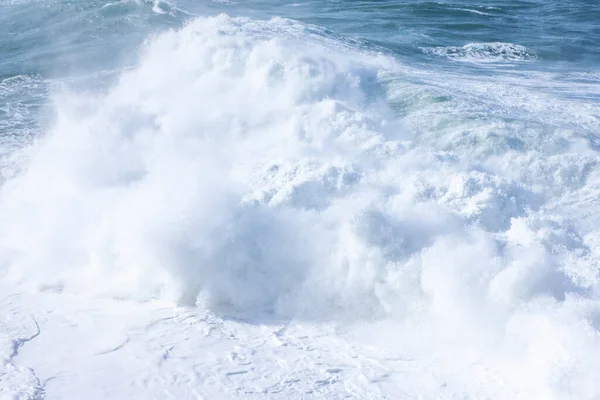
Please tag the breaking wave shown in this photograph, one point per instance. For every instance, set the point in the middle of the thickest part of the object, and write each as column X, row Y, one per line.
column 261, row 167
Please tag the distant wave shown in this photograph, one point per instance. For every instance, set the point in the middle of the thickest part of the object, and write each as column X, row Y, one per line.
column 484, row 52
column 472, row 11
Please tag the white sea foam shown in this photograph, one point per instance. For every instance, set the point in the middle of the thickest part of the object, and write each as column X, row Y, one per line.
column 256, row 166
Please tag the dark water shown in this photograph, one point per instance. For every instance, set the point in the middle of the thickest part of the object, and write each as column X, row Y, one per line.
column 56, row 37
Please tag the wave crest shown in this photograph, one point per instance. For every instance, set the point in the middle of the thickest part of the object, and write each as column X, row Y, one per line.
column 153, row 189
column 484, row 52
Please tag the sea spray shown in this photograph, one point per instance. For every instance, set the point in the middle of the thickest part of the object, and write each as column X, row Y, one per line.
column 261, row 168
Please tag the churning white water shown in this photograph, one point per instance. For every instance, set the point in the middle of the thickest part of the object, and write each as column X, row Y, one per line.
column 265, row 168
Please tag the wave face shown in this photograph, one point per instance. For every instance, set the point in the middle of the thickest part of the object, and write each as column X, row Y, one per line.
column 265, row 167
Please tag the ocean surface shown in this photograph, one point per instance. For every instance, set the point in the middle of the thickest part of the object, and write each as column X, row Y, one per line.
column 434, row 164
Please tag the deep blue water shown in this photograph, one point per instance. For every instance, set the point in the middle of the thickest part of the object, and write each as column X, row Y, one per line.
column 54, row 38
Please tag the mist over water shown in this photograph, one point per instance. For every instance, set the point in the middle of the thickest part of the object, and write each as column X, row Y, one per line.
column 429, row 165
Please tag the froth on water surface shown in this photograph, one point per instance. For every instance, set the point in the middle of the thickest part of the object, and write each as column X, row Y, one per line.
column 267, row 167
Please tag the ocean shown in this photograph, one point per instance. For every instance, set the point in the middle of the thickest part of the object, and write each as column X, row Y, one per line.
column 427, row 169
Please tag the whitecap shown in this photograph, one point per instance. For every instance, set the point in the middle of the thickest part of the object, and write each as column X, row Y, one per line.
column 484, row 52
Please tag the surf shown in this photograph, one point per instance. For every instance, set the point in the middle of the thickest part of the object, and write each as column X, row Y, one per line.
column 266, row 167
